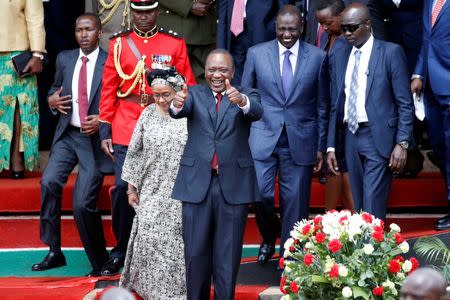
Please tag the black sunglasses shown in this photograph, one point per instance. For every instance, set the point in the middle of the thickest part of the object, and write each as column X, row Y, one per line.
column 351, row 27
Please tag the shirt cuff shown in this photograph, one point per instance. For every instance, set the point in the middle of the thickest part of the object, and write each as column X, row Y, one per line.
column 175, row 110
column 331, row 149
column 246, row 107
column 416, row 76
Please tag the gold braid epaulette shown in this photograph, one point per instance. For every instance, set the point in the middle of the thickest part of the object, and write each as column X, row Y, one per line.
column 138, row 75
column 113, row 6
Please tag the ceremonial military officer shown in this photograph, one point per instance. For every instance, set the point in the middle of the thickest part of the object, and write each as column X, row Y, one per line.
column 196, row 21
column 124, row 96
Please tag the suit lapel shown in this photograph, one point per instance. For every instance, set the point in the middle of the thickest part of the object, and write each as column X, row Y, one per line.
column 341, row 69
column 274, row 60
column 71, row 68
column 210, row 104
column 443, row 9
column 373, row 62
column 302, row 60
column 97, row 76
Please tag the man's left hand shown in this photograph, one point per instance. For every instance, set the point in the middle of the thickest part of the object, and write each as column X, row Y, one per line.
column 234, row 95
column 398, row 159
column 319, row 162
column 34, row 66
column 90, row 125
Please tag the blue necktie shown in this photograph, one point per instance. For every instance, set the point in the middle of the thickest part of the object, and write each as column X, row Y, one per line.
column 352, row 114
column 287, row 75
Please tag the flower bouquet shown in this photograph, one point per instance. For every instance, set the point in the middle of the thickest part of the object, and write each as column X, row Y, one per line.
column 340, row 255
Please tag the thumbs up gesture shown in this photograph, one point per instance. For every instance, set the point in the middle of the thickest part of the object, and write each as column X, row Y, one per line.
column 233, row 94
column 180, row 97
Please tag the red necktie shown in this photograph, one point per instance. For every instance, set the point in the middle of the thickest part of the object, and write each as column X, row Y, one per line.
column 237, row 17
column 82, row 91
column 215, row 159
column 436, row 10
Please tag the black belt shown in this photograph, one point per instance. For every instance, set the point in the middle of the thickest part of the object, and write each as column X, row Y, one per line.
column 360, row 124
column 215, row 172
column 71, row 127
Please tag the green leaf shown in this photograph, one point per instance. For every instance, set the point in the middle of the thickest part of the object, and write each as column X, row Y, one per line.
column 319, row 279
column 359, row 292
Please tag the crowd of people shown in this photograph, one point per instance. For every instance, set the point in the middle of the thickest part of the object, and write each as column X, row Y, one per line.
column 285, row 89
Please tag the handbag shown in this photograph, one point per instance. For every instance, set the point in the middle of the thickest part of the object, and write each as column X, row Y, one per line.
column 20, row 61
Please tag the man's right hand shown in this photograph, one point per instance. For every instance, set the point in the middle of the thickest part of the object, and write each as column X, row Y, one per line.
column 416, row 86
column 58, row 102
column 180, row 97
column 200, row 8
column 332, row 163
column 107, row 147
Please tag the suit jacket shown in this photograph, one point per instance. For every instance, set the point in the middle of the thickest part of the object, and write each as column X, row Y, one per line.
column 22, row 26
column 389, row 105
column 65, row 65
column 433, row 62
column 175, row 15
column 260, row 16
column 304, row 112
column 225, row 132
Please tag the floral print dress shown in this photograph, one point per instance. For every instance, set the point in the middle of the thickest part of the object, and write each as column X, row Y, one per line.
column 23, row 90
column 154, row 265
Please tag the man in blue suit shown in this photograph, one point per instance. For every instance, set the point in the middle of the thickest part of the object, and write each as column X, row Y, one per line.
column 288, row 141
column 216, row 180
column 75, row 94
column 431, row 76
column 373, row 107
column 256, row 24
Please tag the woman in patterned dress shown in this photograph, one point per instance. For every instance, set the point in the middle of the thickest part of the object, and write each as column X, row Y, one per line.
column 22, row 28
column 154, row 265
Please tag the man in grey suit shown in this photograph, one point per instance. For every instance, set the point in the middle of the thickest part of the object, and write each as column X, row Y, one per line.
column 374, row 108
column 216, row 180
column 291, row 77
column 75, row 94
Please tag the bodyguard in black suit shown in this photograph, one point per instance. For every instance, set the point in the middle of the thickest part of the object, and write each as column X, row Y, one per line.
column 75, row 94
column 216, row 180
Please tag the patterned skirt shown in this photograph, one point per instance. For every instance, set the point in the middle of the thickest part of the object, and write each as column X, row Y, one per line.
column 23, row 90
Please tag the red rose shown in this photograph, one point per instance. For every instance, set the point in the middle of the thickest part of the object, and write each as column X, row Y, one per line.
column 308, row 259
column 343, row 219
column 378, row 291
column 291, row 249
column 295, row 242
column 320, row 237
column 317, row 220
column 306, row 229
column 334, row 272
column 399, row 258
column 378, row 236
column 334, row 245
column 281, row 263
column 282, row 284
column 382, row 223
column 367, row 218
column 294, row 287
column 377, row 228
column 415, row 264
column 332, row 211
column 394, row 266
column 398, row 238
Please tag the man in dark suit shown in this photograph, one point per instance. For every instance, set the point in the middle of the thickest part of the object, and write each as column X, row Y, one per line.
column 431, row 76
column 75, row 94
column 216, row 180
column 374, row 107
column 288, row 141
column 243, row 24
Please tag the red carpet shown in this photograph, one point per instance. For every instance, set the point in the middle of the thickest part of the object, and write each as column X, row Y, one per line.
column 19, row 196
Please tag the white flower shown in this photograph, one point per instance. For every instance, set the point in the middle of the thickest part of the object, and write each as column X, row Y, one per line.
column 347, row 292
column 401, row 276
column 329, row 263
column 343, row 271
column 394, row 227
column 288, row 243
column 285, row 297
column 287, row 269
column 368, row 249
column 404, row 247
column 309, row 245
column 389, row 284
column 407, row 266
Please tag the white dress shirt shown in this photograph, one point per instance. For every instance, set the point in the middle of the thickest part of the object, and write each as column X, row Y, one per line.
column 292, row 57
column 363, row 73
column 90, row 66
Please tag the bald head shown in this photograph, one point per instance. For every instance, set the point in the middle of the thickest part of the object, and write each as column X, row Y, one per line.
column 424, row 284
column 355, row 24
column 357, row 11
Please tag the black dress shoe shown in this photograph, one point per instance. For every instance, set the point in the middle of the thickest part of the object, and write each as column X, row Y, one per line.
column 52, row 260
column 94, row 273
column 17, row 174
column 112, row 266
column 265, row 253
column 443, row 223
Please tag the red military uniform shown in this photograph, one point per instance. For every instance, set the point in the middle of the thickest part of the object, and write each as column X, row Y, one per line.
column 118, row 115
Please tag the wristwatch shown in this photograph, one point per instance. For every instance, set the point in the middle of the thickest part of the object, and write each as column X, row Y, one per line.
column 404, row 145
column 38, row 55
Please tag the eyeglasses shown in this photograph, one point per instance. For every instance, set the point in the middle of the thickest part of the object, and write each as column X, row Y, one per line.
column 351, row 27
column 166, row 96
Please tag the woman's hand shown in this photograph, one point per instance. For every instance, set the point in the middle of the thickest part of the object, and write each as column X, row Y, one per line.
column 133, row 199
